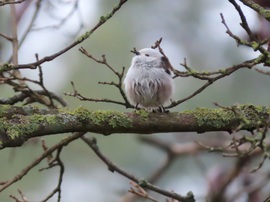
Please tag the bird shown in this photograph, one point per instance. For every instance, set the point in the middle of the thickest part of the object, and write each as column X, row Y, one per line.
column 148, row 81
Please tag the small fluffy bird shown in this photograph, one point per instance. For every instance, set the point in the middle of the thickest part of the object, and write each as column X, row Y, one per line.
column 148, row 82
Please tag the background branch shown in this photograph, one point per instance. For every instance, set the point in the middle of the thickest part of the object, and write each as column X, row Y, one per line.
column 86, row 35
column 44, row 155
column 143, row 183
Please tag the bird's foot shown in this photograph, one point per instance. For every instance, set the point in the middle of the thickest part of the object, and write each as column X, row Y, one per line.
column 137, row 107
column 160, row 109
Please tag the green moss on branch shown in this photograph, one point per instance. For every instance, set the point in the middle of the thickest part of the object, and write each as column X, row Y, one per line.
column 18, row 124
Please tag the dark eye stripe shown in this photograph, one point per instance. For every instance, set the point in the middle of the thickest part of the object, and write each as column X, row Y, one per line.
column 146, row 55
column 168, row 71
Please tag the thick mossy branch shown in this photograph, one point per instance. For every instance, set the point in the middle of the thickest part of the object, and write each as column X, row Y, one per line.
column 18, row 124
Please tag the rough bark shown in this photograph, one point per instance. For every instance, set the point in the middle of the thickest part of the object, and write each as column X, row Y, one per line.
column 18, row 124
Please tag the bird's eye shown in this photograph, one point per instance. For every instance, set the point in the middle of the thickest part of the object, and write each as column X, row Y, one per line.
column 146, row 55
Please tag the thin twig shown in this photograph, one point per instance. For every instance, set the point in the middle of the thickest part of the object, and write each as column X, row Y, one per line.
column 83, row 98
column 44, row 155
column 2, row 3
column 118, row 85
column 65, row 19
column 244, row 22
column 57, row 162
column 33, row 19
column 22, row 96
column 83, row 37
column 114, row 168
column 228, row 71
column 137, row 190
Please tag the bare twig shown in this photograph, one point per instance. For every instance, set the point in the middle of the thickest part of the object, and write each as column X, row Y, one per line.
column 267, row 199
column 166, row 59
column 262, row 71
column 118, row 85
column 83, row 98
column 63, row 20
column 23, row 197
column 252, row 44
column 139, row 191
column 56, row 162
column 228, row 71
column 83, row 37
column 2, row 3
column 44, row 155
column 244, row 23
column 144, row 184
column 229, row 177
column 15, row 44
column 45, row 148
column 41, row 84
column 6, row 37
column 24, row 95
column 256, row 7
column 211, row 77
column 33, row 19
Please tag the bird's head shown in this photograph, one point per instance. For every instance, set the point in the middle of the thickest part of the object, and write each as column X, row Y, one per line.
column 149, row 54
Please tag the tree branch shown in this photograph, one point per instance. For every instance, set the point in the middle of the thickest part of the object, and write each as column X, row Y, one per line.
column 256, row 7
column 143, row 183
column 18, row 124
column 86, row 35
column 2, row 3
column 44, row 155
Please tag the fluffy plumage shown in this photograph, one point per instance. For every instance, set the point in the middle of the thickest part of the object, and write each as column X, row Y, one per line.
column 148, row 82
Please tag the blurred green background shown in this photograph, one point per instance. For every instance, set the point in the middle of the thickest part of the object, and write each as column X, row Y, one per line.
column 190, row 29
